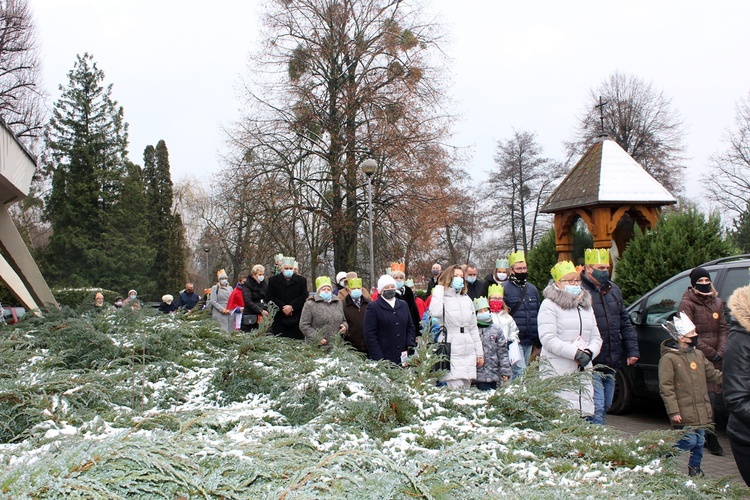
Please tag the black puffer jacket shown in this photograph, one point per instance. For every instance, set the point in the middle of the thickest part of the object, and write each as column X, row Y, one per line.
column 526, row 312
column 619, row 340
column 254, row 294
column 737, row 368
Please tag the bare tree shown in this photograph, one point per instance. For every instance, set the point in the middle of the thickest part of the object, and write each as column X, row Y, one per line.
column 21, row 94
column 641, row 120
column 523, row 181
column 728, row 182
column 344, row 81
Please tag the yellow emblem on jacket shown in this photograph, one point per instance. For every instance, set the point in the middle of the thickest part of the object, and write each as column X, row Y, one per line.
column 693, row 365
column 716, row 315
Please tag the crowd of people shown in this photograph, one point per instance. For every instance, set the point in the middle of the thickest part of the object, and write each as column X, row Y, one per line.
column 497, row 326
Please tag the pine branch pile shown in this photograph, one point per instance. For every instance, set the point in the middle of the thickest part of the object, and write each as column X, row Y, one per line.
column 121, row 405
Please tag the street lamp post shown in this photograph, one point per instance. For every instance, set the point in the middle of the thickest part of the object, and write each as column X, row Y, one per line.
column 369, row 166
column 206, row 248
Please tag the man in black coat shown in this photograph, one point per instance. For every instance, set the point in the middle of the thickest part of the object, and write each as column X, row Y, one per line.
column 188, row 298
column 618, row 337
column 474, row 286
column 289, row 292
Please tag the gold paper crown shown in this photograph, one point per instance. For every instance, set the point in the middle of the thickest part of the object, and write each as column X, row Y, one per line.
column 354, row 282
column 287, row 261
column 322, row 281
column 278, row 257
column 561, row 269
column 495, row 290
column 221, row 274
column 481, row 303
column 596, row 256
column 398, row 266
column 516, row 257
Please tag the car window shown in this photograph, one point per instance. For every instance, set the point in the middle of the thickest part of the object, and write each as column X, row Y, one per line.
column 736, row 277
column 662, row 304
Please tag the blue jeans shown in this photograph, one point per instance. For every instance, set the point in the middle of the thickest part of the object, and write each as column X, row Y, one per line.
column 518, row 369
column 604, row 391
column 526, row 351
column 693, row 441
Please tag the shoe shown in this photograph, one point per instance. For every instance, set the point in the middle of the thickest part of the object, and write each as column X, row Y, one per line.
column 712, row 444
column 695, row 471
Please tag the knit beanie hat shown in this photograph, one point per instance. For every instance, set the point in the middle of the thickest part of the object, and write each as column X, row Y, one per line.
column 697, row 274
column 384, row 281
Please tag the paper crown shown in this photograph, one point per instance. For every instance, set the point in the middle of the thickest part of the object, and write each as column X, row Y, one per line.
column 596, row 256
column 221, row 274
column 495, row 290
column 481, row 303
column 516, row 257
column 397, row 266
column 679, row 326
column 409, row 283
column 502, row 264
column 561, row 269
column 278, row 257
column 322, row 281
column 296, row 265
column 287, row 261
column 354, row 282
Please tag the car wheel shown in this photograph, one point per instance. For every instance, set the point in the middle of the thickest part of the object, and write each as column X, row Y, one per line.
column 622, row 400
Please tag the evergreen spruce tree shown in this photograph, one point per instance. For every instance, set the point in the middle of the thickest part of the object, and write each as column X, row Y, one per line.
column 87, row 142
column 165, row 229
column 680, row 241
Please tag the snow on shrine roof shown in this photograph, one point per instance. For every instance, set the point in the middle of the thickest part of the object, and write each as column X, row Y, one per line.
column 606, row 174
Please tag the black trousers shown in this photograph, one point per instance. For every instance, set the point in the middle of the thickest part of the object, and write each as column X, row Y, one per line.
column 741, row 454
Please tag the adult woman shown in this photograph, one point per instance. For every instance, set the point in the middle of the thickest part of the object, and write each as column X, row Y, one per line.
column 254, row 295
column 323, row 314
column 405, row 293
column 498, row 277
column 218, row 299
column 568, row 333
column 454, row 309
column 737, row 380
column 388, row 328
column 702, row 305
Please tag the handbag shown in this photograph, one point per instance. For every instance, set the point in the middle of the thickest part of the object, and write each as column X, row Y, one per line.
column 442, row 350
column 249, row 319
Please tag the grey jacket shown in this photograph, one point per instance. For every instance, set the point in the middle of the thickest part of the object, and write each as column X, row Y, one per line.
column 495, row 345
column 321, row 319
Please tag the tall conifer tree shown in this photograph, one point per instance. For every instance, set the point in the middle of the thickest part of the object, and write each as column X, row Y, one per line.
column 98, row 237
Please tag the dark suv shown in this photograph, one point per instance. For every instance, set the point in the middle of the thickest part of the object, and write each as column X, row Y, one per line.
column 652, row 310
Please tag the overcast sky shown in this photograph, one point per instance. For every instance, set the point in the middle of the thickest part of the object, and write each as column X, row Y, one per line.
column 176, row 65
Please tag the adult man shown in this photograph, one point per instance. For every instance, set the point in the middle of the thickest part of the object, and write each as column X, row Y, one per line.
column 277, row 264
column 618, row 338
column 355, row 304
column 288, row 290
column 436, row 270
column 187, row 298
column 523, row 300
column 474, row 286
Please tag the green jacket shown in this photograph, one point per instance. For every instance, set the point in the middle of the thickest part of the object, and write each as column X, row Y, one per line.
column 683, row 374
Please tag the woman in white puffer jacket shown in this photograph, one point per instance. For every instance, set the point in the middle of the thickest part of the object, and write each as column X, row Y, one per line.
column 568, row 333
column 449, row 296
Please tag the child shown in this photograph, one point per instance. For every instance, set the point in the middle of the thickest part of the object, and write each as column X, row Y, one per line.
column 500, row 315
column 494, row 342
column 683, row 373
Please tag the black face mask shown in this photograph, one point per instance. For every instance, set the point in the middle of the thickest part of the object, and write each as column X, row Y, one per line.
column 389, row 294
column 693, row 341
column 703, row 287
column 520, row 277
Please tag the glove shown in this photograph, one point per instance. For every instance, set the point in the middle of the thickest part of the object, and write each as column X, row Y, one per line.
column 716, row 358
column 582, row 358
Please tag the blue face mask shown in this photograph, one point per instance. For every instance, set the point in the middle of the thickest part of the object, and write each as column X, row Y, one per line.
column 573, row 289
column 288, row 273
column 399, row 285
column 356, row 293
column 326, row 296
column 457, row 283
column 471, row 279
column 484, row 317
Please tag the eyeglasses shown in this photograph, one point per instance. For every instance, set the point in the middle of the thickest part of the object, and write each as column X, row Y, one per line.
column 571, row 282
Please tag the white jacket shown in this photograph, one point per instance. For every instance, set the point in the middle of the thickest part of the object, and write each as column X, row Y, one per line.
column 562, row 320
column 466, row 346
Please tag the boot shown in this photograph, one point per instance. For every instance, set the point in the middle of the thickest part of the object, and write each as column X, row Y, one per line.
column 695, row 471
column 712, row 444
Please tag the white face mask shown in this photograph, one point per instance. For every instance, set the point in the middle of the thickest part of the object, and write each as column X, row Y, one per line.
column 260, row 278
column 502, row 276
column 223, row 281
